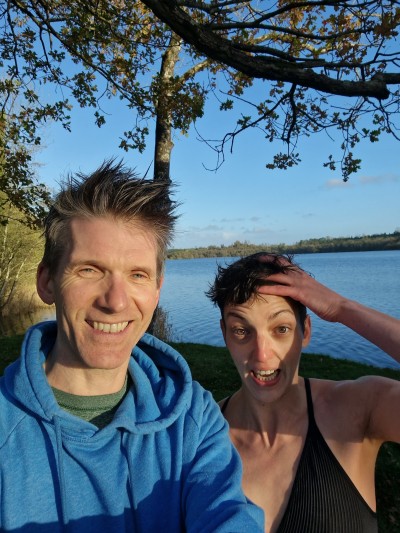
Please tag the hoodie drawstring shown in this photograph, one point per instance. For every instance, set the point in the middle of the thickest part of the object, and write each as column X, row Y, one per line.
column 61, row 474
column 127, row 438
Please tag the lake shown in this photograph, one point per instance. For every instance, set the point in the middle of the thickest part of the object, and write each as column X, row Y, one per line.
column 372, row 278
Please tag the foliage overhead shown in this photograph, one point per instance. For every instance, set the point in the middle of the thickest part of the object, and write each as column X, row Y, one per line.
column 332, row 65
column 328, row 65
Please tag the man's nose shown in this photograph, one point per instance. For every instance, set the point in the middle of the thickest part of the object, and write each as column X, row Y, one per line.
column 114, row 297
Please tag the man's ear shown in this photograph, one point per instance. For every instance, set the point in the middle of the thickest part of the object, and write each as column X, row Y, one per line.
column 44, row 284
column 307, row 331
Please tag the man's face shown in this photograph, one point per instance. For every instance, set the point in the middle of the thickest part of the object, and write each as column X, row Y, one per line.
column 105, row 292
column 265, row 340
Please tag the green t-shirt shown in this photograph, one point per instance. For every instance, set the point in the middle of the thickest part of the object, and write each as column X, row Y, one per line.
column 99, row 410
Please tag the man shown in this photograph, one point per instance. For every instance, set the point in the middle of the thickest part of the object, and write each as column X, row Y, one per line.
column 308, row 446
column 101, row 426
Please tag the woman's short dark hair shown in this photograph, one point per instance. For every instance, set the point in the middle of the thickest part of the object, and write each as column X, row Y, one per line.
column 238, row 282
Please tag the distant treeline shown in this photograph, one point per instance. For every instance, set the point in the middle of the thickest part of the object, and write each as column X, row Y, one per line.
column 382, row 241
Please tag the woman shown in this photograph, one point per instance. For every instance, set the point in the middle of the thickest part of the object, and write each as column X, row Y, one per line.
column 308, row 447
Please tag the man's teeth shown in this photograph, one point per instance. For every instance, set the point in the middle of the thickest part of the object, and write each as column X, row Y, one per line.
column 266, row 375
column 110, row 328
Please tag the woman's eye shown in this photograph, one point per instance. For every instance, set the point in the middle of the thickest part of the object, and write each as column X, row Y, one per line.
column 283, row 329
column 239, row 332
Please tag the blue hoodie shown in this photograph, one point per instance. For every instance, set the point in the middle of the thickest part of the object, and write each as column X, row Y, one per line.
column 164, row 463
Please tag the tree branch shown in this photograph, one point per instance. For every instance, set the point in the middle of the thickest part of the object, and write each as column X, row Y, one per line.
column 221, row 50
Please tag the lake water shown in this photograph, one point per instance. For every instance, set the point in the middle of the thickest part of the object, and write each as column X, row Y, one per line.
column 372, row 278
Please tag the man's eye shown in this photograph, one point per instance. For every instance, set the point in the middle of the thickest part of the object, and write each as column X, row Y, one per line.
column 139, row 275
column 87, row 272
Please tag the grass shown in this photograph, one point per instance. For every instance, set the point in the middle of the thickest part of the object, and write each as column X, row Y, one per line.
column 213, row 368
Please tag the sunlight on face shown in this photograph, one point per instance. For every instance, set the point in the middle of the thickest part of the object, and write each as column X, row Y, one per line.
column 105, row 292
column 265, row 340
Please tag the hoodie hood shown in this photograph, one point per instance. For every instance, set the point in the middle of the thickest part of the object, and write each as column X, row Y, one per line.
column 162, row 384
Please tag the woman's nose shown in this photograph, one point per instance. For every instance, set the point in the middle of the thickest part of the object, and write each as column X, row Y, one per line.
column 263, row 348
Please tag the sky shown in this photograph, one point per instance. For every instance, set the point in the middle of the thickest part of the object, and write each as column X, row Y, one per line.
column 242, row 200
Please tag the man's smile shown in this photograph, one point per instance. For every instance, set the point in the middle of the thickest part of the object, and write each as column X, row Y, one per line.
column 109, row 328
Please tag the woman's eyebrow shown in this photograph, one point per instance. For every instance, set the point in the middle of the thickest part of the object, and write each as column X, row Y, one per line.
column 280, row 312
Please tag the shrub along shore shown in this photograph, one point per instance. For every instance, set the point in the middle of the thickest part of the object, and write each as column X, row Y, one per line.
column 213, row 368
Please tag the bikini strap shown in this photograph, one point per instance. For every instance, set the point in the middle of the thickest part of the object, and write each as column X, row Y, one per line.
column 224, row 405
column 310, row 408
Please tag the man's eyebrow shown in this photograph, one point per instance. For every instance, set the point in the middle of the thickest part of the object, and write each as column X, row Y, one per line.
column 101, row 262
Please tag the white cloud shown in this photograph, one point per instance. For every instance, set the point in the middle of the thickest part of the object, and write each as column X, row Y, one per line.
column 335, row 183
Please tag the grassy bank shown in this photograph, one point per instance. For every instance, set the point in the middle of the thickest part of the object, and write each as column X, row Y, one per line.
column 213, row 368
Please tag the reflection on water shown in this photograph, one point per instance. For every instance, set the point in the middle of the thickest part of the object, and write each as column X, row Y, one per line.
column 18, row 323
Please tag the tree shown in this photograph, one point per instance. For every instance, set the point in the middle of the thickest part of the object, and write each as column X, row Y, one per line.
column 88, row 52
column 94, row 50
column 309, row 51
column 17, row 178
column 20, row 251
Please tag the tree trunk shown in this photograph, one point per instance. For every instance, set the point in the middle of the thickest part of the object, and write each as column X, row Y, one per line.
column 163, row 135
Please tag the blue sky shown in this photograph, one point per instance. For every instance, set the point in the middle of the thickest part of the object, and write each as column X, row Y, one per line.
column 242, row 200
